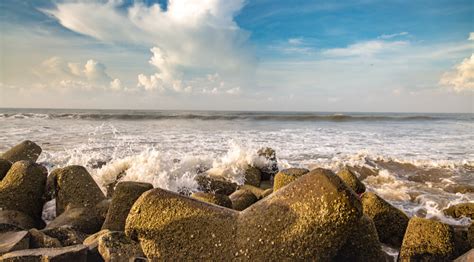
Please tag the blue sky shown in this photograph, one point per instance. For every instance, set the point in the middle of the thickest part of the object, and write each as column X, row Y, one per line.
column 405, row 56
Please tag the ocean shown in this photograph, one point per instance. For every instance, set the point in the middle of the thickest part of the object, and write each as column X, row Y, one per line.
column 425, row 162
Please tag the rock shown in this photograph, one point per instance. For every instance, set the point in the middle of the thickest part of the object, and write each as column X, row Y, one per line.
column 22, row 189
column 125, row 194
column 456, row 188
column 66, row 235
column 351, row 180
column 103, row 208
column 216, row 199
column 461, row 241
column 86, row 220
column 307, row 220
column 241, row 199
column 286, row 176
column 467, row 257
column 363, row 172
column 73, row 186
column 390, row 222
column 470, row 235
column 39, row 239
column 257, row 191
column 267, row 192
column 12, row 220
column 26, row 150
column 77, row 253
column 110, row 187
column 362, row 244
column 4, row 167
column 427, row 240
column 271, row 168
column 460, row 210
column 11, row 241
column 215, row 185
column 116, row 246
column 92, row 243
column 266, row 184
column 253, row 176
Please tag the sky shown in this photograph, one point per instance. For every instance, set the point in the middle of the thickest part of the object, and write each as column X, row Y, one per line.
column 356, row 56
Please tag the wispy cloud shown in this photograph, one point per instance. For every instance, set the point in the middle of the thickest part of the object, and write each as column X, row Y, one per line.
column 367, row 48
column 390, row 36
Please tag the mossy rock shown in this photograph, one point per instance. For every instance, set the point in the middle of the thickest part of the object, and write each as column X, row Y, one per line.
column 12, row 220
column 92, row 243
column 460, row 210
column 22, row 189
column 257, row 191
column 241, row 199
column 72, row 253
column 73, row 186
column 351, row 180
column 271, row 168
column 26, row 150
column 216, row 199
column 363, row 172
column 116, row 246
column 39, row 239
column 363, row 243
column 4, row 167
column 66, row 235
column 470, row 235
column 216, row 185
column 461, row 240
column 125, row 194
column 86, row 220
column 390, row 222
column 252, row 176
column 428, row 240
column 286, row 176
column 307, row 220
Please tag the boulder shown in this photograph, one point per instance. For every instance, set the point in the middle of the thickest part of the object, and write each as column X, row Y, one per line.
column 267, row 192
column 460, row 210
column 362, row 244
column 390, row 222
column 217, row 185
column 4, row 167
column 116, row 246
column 66, row 235
column 306, row 220
column 266, row 184
column 467, row 257
column 428, row 240
column 26, row 150
column 92, row 243
column 77, row 253
column 461, row 240
column 22, row 189
column 216, row 199
column 185, row 229
column 286, row 176
column 86, row 220
column 73, row 186
column 252, row 176
column 363, row 172
column 11, row 241
column 459, row 188
column 351, row 180
column 39, row 239
column 12, row 220
column 241, row 199
column 257, row 191
column 271, row 167
column 470, row 235
column 125, row 194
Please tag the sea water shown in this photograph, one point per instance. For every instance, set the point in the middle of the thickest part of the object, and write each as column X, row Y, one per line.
column 419, row 157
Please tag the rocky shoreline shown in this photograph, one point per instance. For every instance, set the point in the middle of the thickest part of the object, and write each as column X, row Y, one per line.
column 292, row 214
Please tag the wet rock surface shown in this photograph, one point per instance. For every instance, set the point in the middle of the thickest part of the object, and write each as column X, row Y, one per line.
column 286, row 176
column 11, row 241
column 460, row 210
column 26, row 150
column 216, row 199
column 351, row 180
column 4, row 167
column 77, row 253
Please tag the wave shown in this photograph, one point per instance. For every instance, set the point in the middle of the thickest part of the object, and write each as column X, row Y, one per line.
column 297, row 117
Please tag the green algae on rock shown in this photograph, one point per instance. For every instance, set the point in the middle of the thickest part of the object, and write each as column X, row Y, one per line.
column 22, row 189
column 241, row 199
column 362, row 244
column 390, row 222
column 39, row 239
column 252, row 176
column 351, row 180
column 73, row 186
column 216, row 199
column 125, row 194
column 210, row 184
column 116, row 246
column 26, row 150
column 286, row 176
column 427, row 240
column 460, row 210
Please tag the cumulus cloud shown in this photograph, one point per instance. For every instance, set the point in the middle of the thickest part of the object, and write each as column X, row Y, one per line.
column 462, row 77
column 189, row 36
column 56, row 72
column 367, row 48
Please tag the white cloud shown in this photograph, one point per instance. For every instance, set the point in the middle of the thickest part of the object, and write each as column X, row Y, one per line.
column 471, row 36
column 462, row 78
column 390, row 36
column 367, row 48
column 189, row 35
column 295, row 41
